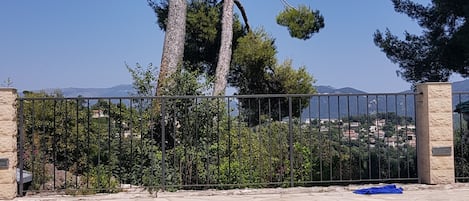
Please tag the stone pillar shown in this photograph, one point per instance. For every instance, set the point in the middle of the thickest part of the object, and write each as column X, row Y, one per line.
column 8, row 151
column 435, row 152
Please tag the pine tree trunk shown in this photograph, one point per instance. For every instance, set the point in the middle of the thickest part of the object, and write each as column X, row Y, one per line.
column 173, row 48
column 224, row 56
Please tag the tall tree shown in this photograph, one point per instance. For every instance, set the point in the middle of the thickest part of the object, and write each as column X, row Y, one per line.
column 251, row 71
column 173, row 48
column 224, row 55
column 202, row 34
column 302, row 23
column 442, row 49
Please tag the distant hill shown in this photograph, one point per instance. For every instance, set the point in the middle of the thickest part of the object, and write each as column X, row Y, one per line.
column 330, row 106
column 343, row 102
column 342, row 106
column 332, row 90
column 115, row 91
column 127, row 89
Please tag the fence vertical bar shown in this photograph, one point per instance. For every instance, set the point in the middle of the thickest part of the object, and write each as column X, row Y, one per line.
column 99, row 146
column 88, row 142
column 349, row 138
column 397, row 138
column 120, row 122
column 298, row 137
column 21, row 158
column 33, row 125
column 175, row 125
column 152, row 143
column 208, row 143
column 163, row 144
column 386, row 139
column 65, row 124
column 461, row 132
column 360, row 160
column 250, row 142
column 290, row 133
column 229, row 137
column 55, row 141
column 131, row 125
column 270, row 141
column 218, row 140
column 259, row 121
column 339, row 131
column 140, row 118
column 43, row 146
column 416, row 138
column 378, row 141
column 368, row 134
column 407, row 138
column 195, row 140
column 239, row 137
column 330, row 136
column 77, row 148
column 310, row 133
column 280, row 143
column 109, row 141
column 321, row 138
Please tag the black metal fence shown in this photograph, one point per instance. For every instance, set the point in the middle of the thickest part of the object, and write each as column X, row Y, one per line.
column 87, row 145
column 461, row 139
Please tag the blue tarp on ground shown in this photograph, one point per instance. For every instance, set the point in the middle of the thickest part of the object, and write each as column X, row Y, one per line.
column 388, row 189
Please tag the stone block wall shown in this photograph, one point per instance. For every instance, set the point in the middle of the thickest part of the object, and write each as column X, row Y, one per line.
column 435, row 132
column 8, row 150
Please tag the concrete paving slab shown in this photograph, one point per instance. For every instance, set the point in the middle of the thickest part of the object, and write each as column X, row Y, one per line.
column 452, row 192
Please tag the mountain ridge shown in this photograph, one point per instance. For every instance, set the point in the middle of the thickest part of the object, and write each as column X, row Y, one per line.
column 127, row 89
column 362, row 103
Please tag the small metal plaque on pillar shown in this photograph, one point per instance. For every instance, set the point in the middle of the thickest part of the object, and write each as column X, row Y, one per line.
column 4, row 163
column 441, row 151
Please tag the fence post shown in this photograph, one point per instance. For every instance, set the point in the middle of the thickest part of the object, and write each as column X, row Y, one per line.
column 434, row 123
column 8, row 150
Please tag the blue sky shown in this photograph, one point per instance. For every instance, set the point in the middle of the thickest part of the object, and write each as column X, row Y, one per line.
column 86, row 43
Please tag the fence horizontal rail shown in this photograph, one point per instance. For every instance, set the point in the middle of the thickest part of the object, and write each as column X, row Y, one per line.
column 218, row 97
column 197, row 142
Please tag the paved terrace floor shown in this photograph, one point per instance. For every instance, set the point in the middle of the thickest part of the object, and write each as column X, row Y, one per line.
column 452, row 192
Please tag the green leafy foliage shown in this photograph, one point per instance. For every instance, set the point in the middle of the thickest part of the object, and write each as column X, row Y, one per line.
column 441, row 50
column 253, row 59
column 101, row 181
column 302, row 23
column 255, row 71
column 293, row 81
column 144, row 79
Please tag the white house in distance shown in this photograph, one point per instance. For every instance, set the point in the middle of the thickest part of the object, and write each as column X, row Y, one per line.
column 410, row 127
column 98, row 114
column 322, row 121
